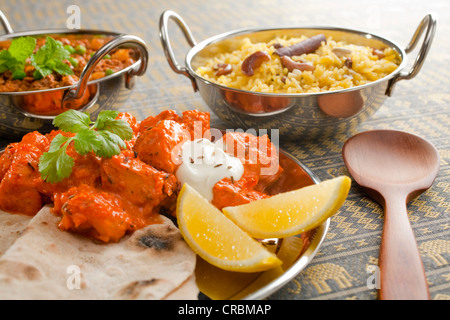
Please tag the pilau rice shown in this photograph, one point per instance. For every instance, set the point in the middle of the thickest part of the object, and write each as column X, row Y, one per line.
column 331, row 71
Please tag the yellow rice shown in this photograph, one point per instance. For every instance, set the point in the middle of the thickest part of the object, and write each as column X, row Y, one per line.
column 329, row 73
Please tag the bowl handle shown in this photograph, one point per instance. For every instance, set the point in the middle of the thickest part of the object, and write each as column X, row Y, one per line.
column 79, row 89
column 428, row 23
column 165, row 40
column 5, row 23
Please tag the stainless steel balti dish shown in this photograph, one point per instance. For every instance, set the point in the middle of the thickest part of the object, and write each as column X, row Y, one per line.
column 296, row 115
column 109, row 92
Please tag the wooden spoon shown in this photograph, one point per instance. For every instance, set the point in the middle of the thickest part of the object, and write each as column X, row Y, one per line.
column 395, row 167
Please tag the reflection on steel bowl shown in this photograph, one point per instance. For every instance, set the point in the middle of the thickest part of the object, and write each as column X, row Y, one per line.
column 95, row 71
column 314, row 112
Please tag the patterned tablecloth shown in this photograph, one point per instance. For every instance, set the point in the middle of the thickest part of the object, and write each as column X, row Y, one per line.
column 420, row 106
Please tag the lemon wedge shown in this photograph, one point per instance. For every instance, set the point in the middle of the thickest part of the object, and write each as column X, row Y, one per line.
column 293, row 212
column 216, row 238
column 290, row 251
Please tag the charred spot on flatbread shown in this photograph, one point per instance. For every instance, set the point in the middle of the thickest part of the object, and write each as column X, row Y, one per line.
column 159, row 239
column 152, row 241
column 136, row 288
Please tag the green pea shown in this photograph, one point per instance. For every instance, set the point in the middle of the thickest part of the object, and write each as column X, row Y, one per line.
column 19, row 75
column 107, row 56
column 80, row 49
column 109, row 72
column 69, row 48
column 73, row 61
column 37, row 75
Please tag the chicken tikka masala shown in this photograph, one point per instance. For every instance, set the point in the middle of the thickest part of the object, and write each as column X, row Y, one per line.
column 106, row 198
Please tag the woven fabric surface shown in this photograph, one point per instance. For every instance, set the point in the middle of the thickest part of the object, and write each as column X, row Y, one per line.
column 421, row 105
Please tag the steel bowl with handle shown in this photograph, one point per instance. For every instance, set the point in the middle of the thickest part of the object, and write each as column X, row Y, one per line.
column 109, row 92
column 295, row 115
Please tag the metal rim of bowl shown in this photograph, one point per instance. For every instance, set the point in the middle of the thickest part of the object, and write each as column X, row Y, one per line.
column 241, row 32
column 303, row 260
column 427, row 25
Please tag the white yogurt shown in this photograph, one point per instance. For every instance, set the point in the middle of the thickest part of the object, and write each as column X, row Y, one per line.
column 204, row 164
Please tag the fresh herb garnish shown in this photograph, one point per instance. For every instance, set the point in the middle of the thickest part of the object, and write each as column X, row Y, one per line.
column 15, row 56
column 105, row 137
column 50, row 58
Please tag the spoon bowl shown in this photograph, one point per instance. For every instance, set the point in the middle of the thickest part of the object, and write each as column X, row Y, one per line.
column 394, row 167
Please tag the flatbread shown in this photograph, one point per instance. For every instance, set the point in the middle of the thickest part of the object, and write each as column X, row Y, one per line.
column 184, row 292
column 46, row 263
column 11, row 226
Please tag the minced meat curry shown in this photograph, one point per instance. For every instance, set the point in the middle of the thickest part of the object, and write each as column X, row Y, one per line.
column 55, row 61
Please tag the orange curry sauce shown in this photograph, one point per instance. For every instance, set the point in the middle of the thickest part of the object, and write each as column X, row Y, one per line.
column 105, row 199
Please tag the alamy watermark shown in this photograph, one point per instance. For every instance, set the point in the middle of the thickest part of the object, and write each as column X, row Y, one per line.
column 251, row 146
column 373, row 281
column 74, row 19
column 73, row 281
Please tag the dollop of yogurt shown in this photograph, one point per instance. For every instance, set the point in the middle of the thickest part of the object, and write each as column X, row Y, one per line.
column 205, row 163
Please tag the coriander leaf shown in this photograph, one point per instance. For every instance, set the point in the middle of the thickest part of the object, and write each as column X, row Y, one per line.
column 56, row 164
column 64, row 164
column 120, row 128
column 50, row 58
column 47, row 167
column 86, row 141
column 106, row 120
column 110, row 144
column 72, row 121
column 104, row 117
column 58, row 141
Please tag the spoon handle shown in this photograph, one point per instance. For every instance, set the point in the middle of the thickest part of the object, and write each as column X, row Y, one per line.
column 402, row 274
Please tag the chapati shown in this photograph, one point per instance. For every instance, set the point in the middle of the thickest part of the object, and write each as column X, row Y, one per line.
column 47, row 263
column 11, row 226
